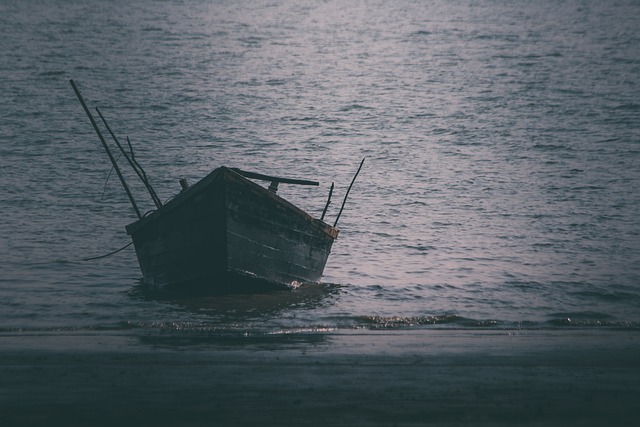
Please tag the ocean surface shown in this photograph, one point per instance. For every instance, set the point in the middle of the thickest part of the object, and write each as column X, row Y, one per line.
column 501, row 186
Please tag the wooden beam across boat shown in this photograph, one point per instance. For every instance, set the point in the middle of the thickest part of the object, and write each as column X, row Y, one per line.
column 262, row 177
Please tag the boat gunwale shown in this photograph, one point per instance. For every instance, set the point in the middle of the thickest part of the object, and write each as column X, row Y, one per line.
column 201, row 186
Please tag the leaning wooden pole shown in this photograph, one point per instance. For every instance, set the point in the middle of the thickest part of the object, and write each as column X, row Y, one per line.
column 132, row 162
column 328, row 202
column 347, row 195
column 106, row 148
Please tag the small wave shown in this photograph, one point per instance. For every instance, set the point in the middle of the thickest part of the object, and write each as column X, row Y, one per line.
column 524, row 285
column 393, row 322
column 588, row 188
column 173, row 331
column 493, row 36
column 251, row 40
column 593, row 323
column 550, row 147
column 158, row 107
column 631, row 106
column 276, row 82
column 355, row 107
column 300, row 119
column 590, row 319
column 114, row 327
column 421, row 248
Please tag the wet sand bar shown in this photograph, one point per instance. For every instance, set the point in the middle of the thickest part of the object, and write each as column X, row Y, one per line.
column 359, row 378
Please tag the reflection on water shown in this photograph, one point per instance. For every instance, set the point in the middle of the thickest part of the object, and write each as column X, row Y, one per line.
column 240, row 307
column 233, row 320
column 195, row 340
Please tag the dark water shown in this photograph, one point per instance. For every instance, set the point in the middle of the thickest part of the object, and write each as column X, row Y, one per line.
column 502, row 143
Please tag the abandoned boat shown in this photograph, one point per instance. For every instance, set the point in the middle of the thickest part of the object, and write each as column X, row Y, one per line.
column 225, row 234
column 229, row 234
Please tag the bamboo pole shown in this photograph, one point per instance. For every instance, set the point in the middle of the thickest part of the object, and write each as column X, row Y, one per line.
column 132, row 162
column 328, row 202
column 347, row 195
column 106, row 148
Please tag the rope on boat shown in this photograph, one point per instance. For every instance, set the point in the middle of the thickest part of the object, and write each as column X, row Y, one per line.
column 109, row 254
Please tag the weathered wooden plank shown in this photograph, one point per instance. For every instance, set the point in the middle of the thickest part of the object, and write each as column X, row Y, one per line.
column 227, row 233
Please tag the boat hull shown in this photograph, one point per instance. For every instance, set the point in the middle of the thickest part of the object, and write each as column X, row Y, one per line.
column 227, row 234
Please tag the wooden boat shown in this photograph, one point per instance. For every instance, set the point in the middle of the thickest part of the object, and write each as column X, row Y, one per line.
column 225, row 233
column 229, row 234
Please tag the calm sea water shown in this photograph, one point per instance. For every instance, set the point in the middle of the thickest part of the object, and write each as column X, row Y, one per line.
column 501, row 186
